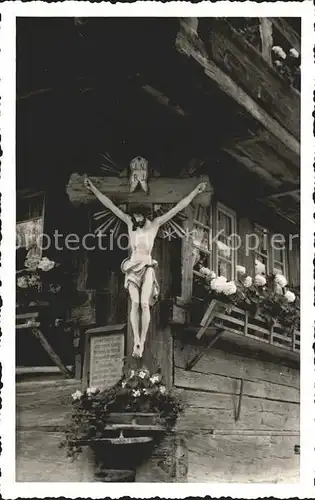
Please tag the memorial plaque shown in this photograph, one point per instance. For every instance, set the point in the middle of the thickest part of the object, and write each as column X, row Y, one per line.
column 104, row 356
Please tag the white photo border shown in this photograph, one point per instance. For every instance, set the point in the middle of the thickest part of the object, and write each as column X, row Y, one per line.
column 9, row 11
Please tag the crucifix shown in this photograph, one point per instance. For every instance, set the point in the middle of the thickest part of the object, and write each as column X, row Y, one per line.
column 139, row 268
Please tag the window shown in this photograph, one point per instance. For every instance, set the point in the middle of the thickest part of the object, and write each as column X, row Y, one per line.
column 262, row 251
column 215, row 253
column 29, row 228
column 202, row 255
column 225, row 250
column 269, row 255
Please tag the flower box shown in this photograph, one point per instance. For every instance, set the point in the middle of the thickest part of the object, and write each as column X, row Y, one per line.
column 133, row 412
column 240, row 326
column 231, row 51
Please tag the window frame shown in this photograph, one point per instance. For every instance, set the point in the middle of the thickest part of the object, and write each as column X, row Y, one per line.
column 270, row 252
column 220, row 207
column 213, row 257
column 27, row 219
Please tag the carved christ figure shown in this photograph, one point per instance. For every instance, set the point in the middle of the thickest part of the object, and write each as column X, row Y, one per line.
column 139, row 268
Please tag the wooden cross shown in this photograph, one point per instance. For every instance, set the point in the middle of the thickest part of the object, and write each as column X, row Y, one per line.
column 161, row 190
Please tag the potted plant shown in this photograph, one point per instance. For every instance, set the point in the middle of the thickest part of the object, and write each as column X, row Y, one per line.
column 139, row 405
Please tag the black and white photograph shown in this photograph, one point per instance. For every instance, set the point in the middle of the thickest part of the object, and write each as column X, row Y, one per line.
column 158, row 249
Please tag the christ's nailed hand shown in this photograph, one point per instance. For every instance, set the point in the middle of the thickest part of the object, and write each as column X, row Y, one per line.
column 201, row 187
column 88, row 184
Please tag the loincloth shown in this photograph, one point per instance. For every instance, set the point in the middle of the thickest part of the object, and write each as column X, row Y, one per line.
column 135, row 272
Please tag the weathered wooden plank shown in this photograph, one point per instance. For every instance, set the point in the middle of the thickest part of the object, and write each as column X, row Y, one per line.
column 162, row 190
column 24, row 326
column 187, row 259
column 217, row 411
column 44, row 404
column 39, row 458
column 246, row 66
column 168, row 462
column 234, row 365
column 228, row 86
column 242, row 459
column 29, row 315
column 231, row 385
column 265, row 29
column 83, row 311
column 270, row 161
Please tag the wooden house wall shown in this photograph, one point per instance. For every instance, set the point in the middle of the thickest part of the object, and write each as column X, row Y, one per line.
column 221, row 449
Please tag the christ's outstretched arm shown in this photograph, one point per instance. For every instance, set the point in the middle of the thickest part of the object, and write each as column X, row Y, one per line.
column 181, row 205
column 107, row 202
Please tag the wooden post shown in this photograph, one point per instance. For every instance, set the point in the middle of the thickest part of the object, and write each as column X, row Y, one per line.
column 158, row 349
column 187, row 258
column 265, row 29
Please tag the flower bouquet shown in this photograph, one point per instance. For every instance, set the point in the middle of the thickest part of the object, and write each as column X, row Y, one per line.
column 34, row 283
column 138, row 391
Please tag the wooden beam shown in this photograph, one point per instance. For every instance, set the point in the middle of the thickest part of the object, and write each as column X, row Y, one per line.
column 204, row 350
column 163, row 99
column 253, row 167
column 229, row 87
column 265, row 29
column 161, row 190
column 50, row 351
column 287, row 31
column 295, row 193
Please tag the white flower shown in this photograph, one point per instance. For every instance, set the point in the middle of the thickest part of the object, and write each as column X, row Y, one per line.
column 22, row 282
column 162, row 389
column 146, row 391
column 240, row 269
column 294, row 53
column 229, row 288
column 205, row 271
column 278, row 289
column 260, row 267
column 31, row 262
column 218, row 284
column 124, row 383
column 276, row 271
column 224, row 249
column 278, row 63
column 281, row 280
column 279, row 51
column 136, row 393
column 290, row 296
column 248, row 281
column 260, row 280
column 155, row 378
column 45, row 264
column 142, row 374
column 91, row 390
column 76, row 395
column 132, row 373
